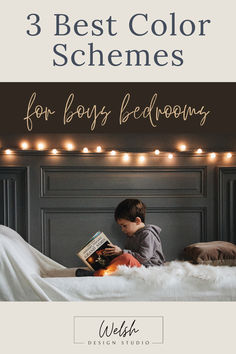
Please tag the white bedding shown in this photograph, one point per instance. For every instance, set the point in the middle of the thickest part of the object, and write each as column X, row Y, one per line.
column 23, row 270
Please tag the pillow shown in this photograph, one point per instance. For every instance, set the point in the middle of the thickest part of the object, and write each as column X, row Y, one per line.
column 214, row 253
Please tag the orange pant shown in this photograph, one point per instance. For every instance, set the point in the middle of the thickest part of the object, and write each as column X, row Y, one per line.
column 124, row 259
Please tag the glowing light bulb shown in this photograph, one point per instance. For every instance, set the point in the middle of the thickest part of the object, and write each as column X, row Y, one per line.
column 24, row 145
column 69, row 146
column 41, row 146
column 157, row 152
column 126, row 157
column 141, row 158
column 113, row 152
column 99, row 149
column 8, row 152
column 213, row 155
column 182, row 147
column 54, row 151
column 229, row 155
column 199, row 151
column 85, row 150
column 170, row 156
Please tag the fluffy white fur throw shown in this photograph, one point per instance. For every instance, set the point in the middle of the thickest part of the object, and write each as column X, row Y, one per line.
column 174, row 272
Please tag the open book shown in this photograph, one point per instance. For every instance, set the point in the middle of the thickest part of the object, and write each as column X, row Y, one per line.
column 92, row 254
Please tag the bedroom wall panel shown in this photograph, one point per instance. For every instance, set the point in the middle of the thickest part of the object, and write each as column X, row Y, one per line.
column 62, row 200
column 65, row 230
column 149, row 181
column 13, row 199
column 227, row 204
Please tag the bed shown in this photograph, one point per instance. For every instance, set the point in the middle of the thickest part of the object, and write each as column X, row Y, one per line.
column 28, row 275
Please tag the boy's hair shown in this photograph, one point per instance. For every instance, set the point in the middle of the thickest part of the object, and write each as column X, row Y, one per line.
column 130, row 209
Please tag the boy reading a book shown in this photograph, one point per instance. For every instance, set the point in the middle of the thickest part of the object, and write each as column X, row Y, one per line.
column 143, row 244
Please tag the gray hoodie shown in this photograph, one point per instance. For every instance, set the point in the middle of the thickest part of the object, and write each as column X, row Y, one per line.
column 145, row 246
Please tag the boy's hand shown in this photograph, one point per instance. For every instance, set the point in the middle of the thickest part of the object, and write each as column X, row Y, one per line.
column 113, row 250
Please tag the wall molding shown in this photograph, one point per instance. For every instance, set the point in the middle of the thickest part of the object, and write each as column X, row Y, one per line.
column 14, row 187
column 47, row 173
column 227, row 200
column 46, row 221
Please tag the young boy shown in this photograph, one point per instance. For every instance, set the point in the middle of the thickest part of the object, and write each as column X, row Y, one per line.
column 143, row 244
column 143, row 241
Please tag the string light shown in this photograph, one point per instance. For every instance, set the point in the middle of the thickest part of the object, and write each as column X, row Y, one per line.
column 126, row 157
column 41, row 146
column 69, row 146
column 182, row 147
column 141, row 158
column 8, row 152
column 213, row 155
column 24, row 145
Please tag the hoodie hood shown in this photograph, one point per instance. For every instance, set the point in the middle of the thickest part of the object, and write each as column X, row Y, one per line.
column 155, row 230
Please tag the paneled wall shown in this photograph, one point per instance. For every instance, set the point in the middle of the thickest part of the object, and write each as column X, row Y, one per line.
column 14, row 198
column 57, row 202
column 227, row 203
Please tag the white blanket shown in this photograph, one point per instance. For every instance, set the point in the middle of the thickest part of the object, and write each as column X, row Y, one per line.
column 23, row 270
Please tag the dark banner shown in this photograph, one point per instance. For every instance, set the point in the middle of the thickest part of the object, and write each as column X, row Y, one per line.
column 117, row 108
